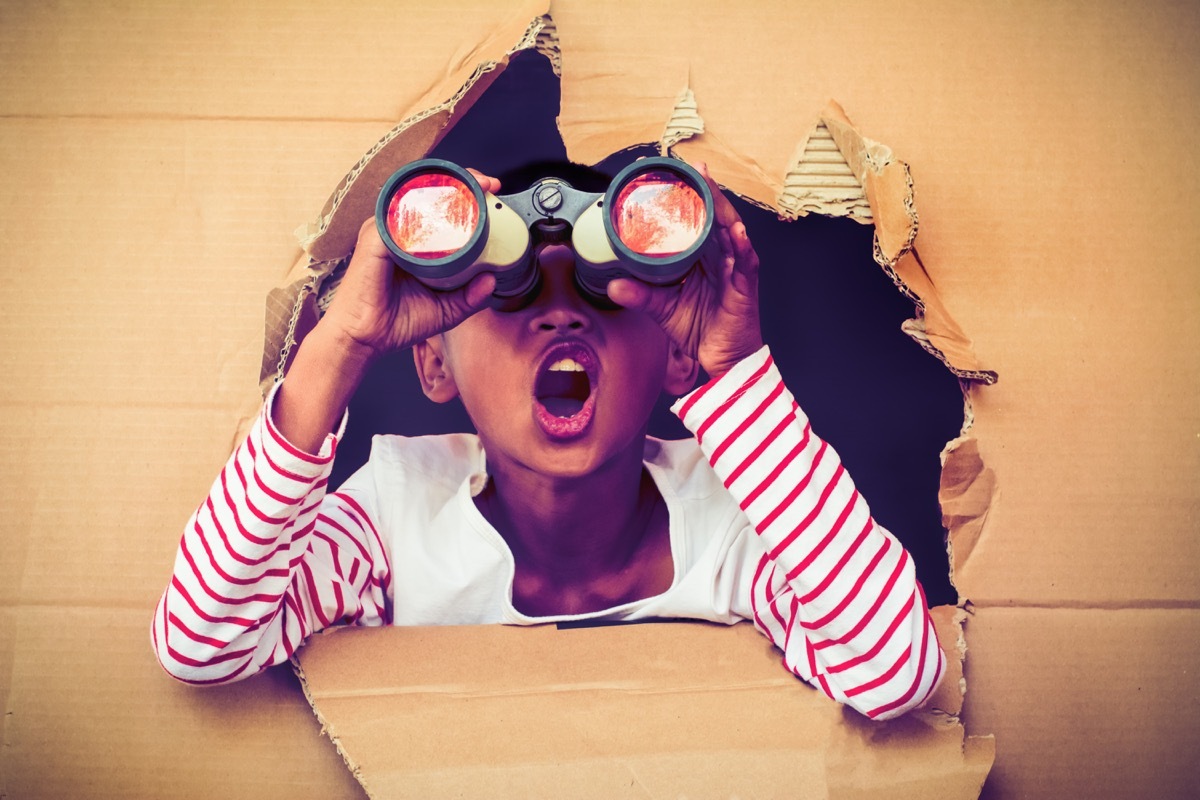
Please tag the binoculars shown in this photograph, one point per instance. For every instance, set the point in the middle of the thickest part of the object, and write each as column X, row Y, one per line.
column 654, row 223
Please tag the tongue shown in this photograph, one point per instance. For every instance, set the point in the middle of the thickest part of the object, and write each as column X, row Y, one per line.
column 561, row 406
column 563, row 393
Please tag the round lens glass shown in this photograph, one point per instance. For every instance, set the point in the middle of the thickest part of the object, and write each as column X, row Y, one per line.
column 432, row 215
column 658, row 214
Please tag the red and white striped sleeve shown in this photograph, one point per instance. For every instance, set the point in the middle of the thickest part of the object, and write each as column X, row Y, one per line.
column 834, row 591
column 267, row 559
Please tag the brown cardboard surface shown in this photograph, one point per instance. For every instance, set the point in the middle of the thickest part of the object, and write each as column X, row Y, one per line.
column 1072, row 720
column 156, row 60
column 88, row 715
column 138, row 246
column 658, row 710
column 156, row 160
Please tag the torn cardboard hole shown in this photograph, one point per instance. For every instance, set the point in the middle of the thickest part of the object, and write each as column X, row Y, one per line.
column 356, row 707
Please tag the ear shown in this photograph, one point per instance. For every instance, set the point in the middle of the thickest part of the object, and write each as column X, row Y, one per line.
column 681, row 372
column 437, row 382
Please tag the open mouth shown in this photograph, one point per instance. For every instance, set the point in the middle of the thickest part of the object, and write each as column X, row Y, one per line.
column 564, row 390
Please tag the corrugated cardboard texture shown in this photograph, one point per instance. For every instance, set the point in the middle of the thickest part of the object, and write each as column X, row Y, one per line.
column 156, row 159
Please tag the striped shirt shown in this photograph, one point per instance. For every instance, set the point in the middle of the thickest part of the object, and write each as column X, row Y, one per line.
column 766, row 525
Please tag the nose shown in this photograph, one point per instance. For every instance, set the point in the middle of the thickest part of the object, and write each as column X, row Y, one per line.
column 558, row 308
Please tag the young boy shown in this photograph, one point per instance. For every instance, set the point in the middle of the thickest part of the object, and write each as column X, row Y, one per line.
column 561, row 508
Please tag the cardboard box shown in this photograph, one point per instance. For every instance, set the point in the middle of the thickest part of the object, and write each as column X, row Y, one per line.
column 156, row 160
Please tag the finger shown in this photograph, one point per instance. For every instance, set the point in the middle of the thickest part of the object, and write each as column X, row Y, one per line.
column 369, row 242
column 371, row 267
column 630, row 294
column 743, row 248
column 744, row 267
column 655, row 302
column 466, row 300
column 479, row 290
column 455, row 306
column 724, row 213
column 726, row 242
column 486, row 182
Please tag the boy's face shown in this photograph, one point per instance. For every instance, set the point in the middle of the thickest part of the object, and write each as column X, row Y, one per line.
column 559, row 387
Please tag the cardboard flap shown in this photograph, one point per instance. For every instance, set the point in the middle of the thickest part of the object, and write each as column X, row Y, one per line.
column 968, row 489
column 652, row 710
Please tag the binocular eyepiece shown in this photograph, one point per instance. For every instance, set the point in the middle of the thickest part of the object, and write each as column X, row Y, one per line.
column 653, row 223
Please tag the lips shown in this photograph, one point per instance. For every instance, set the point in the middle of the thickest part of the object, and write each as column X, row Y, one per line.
column 564, row 390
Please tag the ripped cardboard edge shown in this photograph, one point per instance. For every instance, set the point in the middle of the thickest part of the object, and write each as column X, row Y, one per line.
column 576, row 742
column 837, row 171
column 967, row 494
column 328, row 729
column 888, row 185
column 941, row 712
column 870, row 185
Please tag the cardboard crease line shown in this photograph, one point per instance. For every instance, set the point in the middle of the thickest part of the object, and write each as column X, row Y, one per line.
column 786, row 681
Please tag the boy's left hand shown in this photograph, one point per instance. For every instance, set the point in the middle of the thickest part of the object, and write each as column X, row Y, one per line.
column 713, row 314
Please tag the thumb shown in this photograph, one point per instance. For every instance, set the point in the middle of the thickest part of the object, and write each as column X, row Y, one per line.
column 631, row 294
column 465, row 301
column 479, row 290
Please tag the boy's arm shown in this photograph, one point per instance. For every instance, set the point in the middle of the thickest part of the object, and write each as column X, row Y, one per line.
column 835, row 591
column 266, row 560
column 377, row 309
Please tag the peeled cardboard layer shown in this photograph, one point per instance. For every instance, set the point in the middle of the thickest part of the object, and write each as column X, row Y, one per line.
column 660, row 710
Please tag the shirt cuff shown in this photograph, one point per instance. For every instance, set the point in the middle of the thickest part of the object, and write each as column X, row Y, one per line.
column 712, row 399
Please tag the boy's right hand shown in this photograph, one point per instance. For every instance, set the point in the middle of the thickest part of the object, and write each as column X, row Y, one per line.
column 379, row 308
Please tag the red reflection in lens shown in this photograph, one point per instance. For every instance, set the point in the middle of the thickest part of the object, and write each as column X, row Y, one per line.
column 658, row 214
column 432, row 215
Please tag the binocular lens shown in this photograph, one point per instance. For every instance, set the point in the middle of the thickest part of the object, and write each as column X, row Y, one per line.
column 658, row 214
column 653, row 223
column 432, row 215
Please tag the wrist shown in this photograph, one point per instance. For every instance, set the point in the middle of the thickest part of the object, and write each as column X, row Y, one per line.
column 339, row 353
column 318, row 387
column 720, row 362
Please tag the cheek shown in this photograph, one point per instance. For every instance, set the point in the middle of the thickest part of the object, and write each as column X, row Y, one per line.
column 488, row 385
column 647, row 344
column 644, row 362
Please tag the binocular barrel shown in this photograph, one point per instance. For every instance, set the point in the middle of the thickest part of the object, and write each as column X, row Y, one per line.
column 653, row 223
